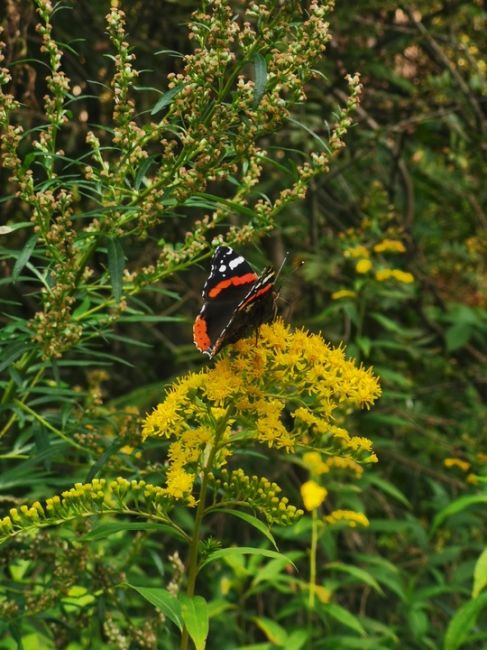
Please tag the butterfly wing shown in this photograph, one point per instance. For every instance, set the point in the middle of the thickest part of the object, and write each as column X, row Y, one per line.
column 230, row 281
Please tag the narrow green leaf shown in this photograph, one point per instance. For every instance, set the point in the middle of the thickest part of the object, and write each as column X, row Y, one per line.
column 270, row 571
column 24, row 257
column 276, row 634
column 164, row 601
column 12, row 353
column 103, row 531
column 252, row 521
column 457, row 336
column 260, row 78
column 356, row 572
column 364, row 343
column 457, row 506
column 344, row 617
column 116, row 265
column 389, row 489
column 165, row 99
column 297, row 639
column 480, row 574
column 6, row 230
column 195, row 615
column 223, row 553
column 462, row 622
column 388, row 324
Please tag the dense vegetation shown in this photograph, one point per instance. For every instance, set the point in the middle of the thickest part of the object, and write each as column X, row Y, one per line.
column 275, row 496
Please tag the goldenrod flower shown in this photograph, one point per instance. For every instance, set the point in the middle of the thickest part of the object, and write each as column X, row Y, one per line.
column 313, row 495
column 348, row 517
column 363, row 266
column 396, row 274
column 390, row 245
column 463, row 465
column 281, row 391
column 343, row 293
column 314, row 464
column 356, row 251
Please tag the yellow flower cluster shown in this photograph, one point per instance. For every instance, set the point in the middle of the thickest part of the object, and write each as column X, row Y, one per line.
column 356, row 251
column 463, row 465
column 313, row 495
column 347, row 517
column 314, row 463
column 396, row 274
column 256, row 393
column 118, row 495
column 390, row 246
column 363, row 266
column 343, row 293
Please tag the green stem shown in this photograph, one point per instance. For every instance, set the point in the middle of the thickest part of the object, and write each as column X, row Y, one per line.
column 10, row 388
column 200, row 512
column 47, row 424
column 312, row 559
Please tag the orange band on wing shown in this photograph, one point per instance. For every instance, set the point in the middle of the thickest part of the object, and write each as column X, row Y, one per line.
column 255, row 295
column 200, row 335
column 236, row 280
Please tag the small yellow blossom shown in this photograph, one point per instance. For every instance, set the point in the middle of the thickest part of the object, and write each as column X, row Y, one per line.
column 473, row 479
column 463, row 465
column 313, row 495
column 343, row 293
column 348, row 517
column 390, row 245
column 179, row 483
column 396, row 274
column 356, row 251
column 314, row 464
column 342, row 463
column 363, row 266
column 324, row 594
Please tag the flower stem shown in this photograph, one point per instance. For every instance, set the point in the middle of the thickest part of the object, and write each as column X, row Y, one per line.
column 200, row 512
column 312, row 559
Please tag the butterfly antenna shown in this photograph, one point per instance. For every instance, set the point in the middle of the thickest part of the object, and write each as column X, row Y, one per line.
column 282, row 264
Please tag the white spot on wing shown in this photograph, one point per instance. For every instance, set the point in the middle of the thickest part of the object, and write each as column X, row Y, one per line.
column 222, row 268
column 236, row 262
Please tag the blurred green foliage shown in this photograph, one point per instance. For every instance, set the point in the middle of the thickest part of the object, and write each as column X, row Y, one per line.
column 413, row 172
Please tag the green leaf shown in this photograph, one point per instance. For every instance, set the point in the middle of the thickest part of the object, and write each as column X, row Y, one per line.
column 12, row 353
column 389, row 489
column 6, row 230
column 103, row 531
column 344, row 617
column 116, row 265
column 296, row 639
column 196, row 619
column 480, row 574
column 457, row 506
column 270, row 572
column 166, row 99
column 163, row 600
column 364, row 343
column 276, row 634
column 260, row 78
column 24, row 257
column 457, row 336
column 388, row 324
column 356, row 572
column 462, row 622
column 252, row 521
column 223, row 553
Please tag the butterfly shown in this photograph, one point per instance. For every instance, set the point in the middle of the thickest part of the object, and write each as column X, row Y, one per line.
column 235, row 301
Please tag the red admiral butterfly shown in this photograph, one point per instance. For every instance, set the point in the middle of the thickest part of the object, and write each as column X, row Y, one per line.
column 235, row 300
